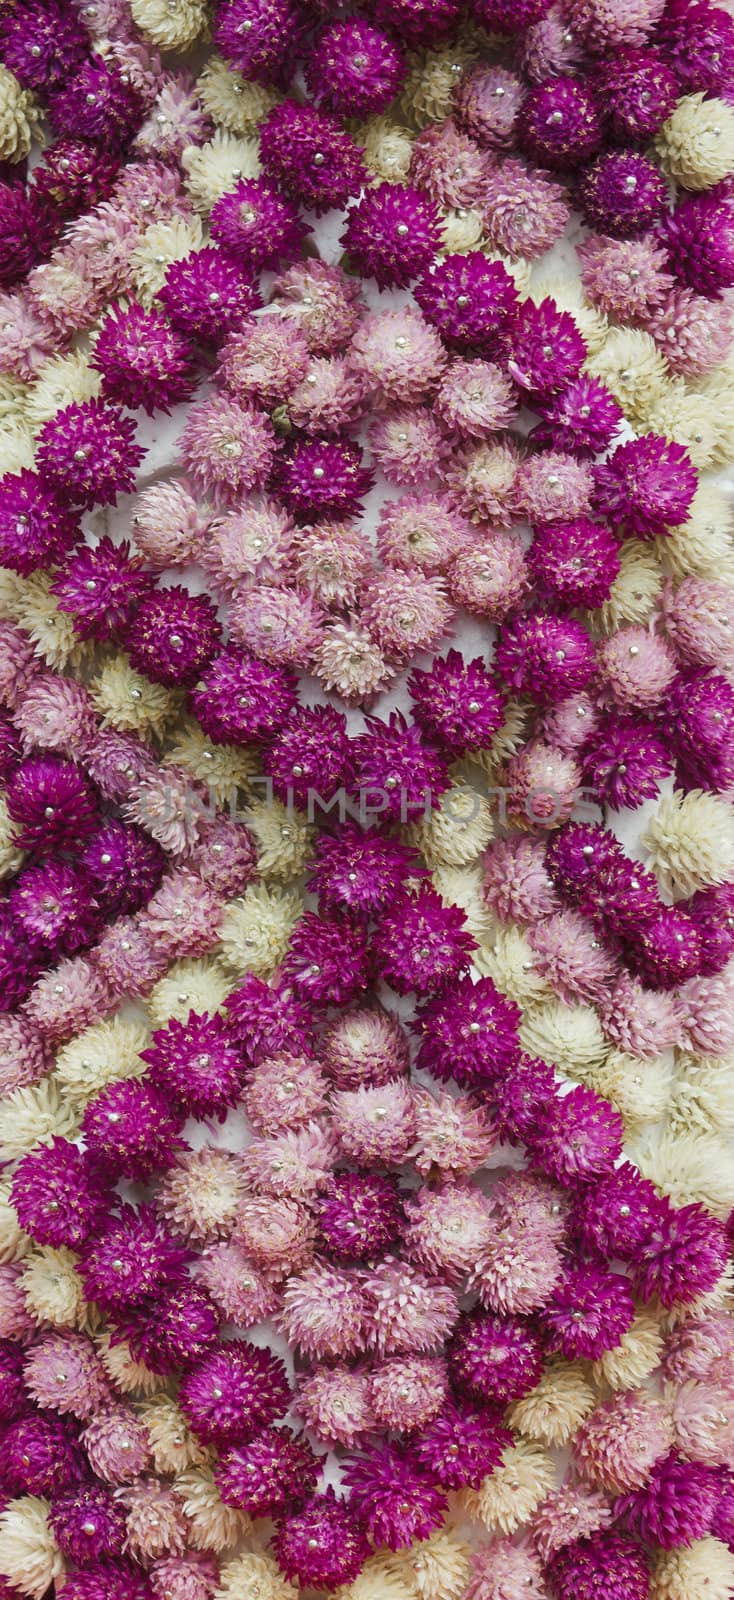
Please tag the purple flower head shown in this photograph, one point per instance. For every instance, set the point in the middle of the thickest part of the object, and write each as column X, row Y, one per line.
column 235, row 1391
column 420, row 943
column 58, row 1195
column 265, row 1019
column 256, row 37
column 310, row 755
column 101, row 105
column 123, row 865
column 43, row 45
column 622, row 194
column 196, row 1064
column 310, row 156
column 396, row 773
column 587, row 1314
column 257, row 225
column 676, row 1506
column 615, row 1215
column 607, row 1560
column 577, row 1138
column 88, row 1523
column 546, row 349
column 19, row 963
column 54, row 907
column 130, row 1129
column 363, row 871
column 36, row 528
column 207, row 294
column 494, row 1360
column 682, row 1256
column 73, row 176
column 469, row 1033
column 174, row 1329
column 698, row 719
column 321, row 478
column 511, row 16
column 559, row 124
column 21, row 240
column 457, row 703
column 582, row 420
column 87, row 453
column 323, row 1543
column 173, row 635
column 574, row 563
column 713, row 911
column 143, row 360
column 419, row 22
column 470, row 300
column 625, row 762
column 396, row 1498
column 547, row 657
column 460, row 1447
column 666, row 950
column 360, row 1215
column 697, row 40
column 100, row 587
column 13, row 1399
column 265, row 1475
column 699, row 238
column 42, row 1455
column 239, row 698
column 392, row 234
column 108, row 1580
column 354, row 69
column 646, row 486
column 327, row 961
column 520, row 1095
column 638, row 91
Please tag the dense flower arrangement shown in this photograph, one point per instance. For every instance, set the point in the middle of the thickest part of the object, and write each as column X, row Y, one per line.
column 365, row 1199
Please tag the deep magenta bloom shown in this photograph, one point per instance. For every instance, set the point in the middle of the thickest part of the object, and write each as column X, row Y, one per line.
column 420, row 943
column 100, row 586
column 130, row 1258
column 207, row 295
column 54, row 906
column 73, row 176
column 309, row 155
column 511, row 16
column 266, row 1020
column 196, row 1064
column 101, row 105
column 131, row 1130
column 559, row 124
column 88, row 454
column 676, row 1505
column 310, row 756
column 575, row 857
column 457, row 703
column 327, row 961
column 21, row 241
column 575, row 563
column 42, row 1456
column 323, row 1543
column 698, row 719
column 174, row 1329
column 469, row 1033
column 546, row 349
column 36, row 528
column 257, row 225
column 472, row 301
column 699, row 238
column 256, row 36
column 666, row 950
column 418, row 22
column 698, row 41
column 578, row 1137
column 396, row 1498
column 615, row 1214
column 546, row 657
column 461, row 1447
column 13, row 1398
column 266, row 1474
column 588, row 1313
column 638, row 91
column 645, row 486
column 625, row 761
column 43, row 44
column 108, row 1580
column 682, row 1256
column 582, row 420
column 622, row 194
column 88, row 1523
column 173, row 635
column 392, row 234
column 322, row 478
column 605, row 1561
column 713, row 910
column 239, row 698
column 360, row 1215
column 354, row 69
column 362, row 870
column 123, row 865
column 143, row 360
column 234, row 1392
column 396, row 774
column 494, row 1360
column 58, row 1194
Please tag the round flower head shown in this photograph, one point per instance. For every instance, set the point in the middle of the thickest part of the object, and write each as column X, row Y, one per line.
column 267, row 1019
column 43, row 1457
column 421, row 943
column 699, row 719
column 88, row 1524
column 470, row 1033
column 625, row 762
column 173, row 635
column 239, row 698
column 143, row 361
column 494, row 1360
column 675, row 1506
column 625, row 278
column 406, row 444
column 699, row 238
column 603, row 25
column 235, row 1391
column 524, row 212
column 545, row 656
column 618, row 1445
column 323, row 478
column 447, row 1230
column 124, row 865
column 323, row 1313
column 615, row 1216
column 256, row 36
column 582, row 420
column 354, row 69
column 405, row 613
column 375, row 1124
column 310, row 156
column 575, row 563
column 207, row 294
column 37, row 527
column 456, row 703
column 263, row 362
column 398, row 354
column 470, row 300
column 364, row 1047
column 396, row 768
column 21, row 245
column 266, row 1474
column 190, row 1577
column 547, row 350
column 489, row 580
column 323, row 1542
column 275, row 1103
column 461, row 1447
column 698, row 42
column 360, row 1215
column 277, row 1235
column 323, row 301
column 257, row 226
column 646, row 486
column 196, row 1064
column 618, row 1563
column 87, row 453
column 578, row 1136
column 406, row 1392
column 448, row 166
column 588, row 1314
column 638, row 91
column 129, row 1128
column 45, row 47
column 622, row 194
column 107, row 1580
column 559, row 123
column 63, row 1373
column 360, row 870
column 100, row 588
column 486, row 102
column 100, row 105
column 392, row 234
column 327, row 960
column 54, row 907
column 228, row 448
column 683, row 1255
column 475, row 399
column 552, row 486
column 393, row 1494
column 58, row 1195
column 310, row 755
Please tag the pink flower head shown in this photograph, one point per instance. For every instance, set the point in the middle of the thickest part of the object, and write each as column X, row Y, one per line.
column 364, row 1046
column 448, row 165
column 276, row 1234
column 582, row 419
column 589, row 1312
column 486, row 102
column 263, row 361
column 407, row 445
column 406, row 1393
column 516, row 884
column 323, row 1542
column 469, row 1033
column 227, row 448
column 405, row 1310
column 457, row 703
column 475, row 399
column 207, row 293
column 625, row 278
column 397, row 354
column 241, row 1293
column 637, row 668
column 325, row 303
column 334, row 1403
column 571, row 958
column 619, row 1443
column 63, row 1373
column 494, row 1360
column 448, row 1229
column 324, row 1312
column 406, row 612
column 284, row 1092
column 577, row 1137
column 554, row 486
column 525, row 212
column 375, row 1124
column 298, row 1162
column 421, row 943
column 470, row 300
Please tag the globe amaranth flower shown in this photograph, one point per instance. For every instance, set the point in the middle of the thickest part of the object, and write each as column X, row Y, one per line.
column 275, row 1103
column 323, row 478
column 58, row 1194
column 327, row 959
column 196, row 1064
column 461, row 1447
column 354, row 69
column 486, row 102
column 546, row 349
column 360, row 1215
column 607, row 1558
column 676, row 1505
column 405, row 612
column 470, row 1033
column 323, row 1542
column 323, row 1312
column 524, row 212
column 124, row 866
column 713, row 911
column 699, row 239
column 625, row 761
column 323, row 301
column 130, row 1130
column 12, row 1393
column 266, row 1474
column 310, row 156
column 43, row 1457
column 364, row 1046
column 546, row 656
column 310, row 756
column 646, row 486
column 207, row 294
column 22, row 238
column 475, row 399
column 407, row 1391
column 406, row 444
column 100, row 587
column 108, row 1580
column 64, row 1373
column 576, row 562
column 697, row 41
column 73, row 177
column 267, row 1018
column 392, row 234
column 45, row 46
column 494, row 1360
column 88, row 1523
column 589, row 1312
column 668, row 951
column 360, row 870
column 397, row 354
column 235, row 1391
column 395, row 772
column 173, row 635
column 449, row 166
column 682, row 1256
column 456, row 703
column 698, row 718
column 54, row 907
column 101, row 105
column 622, row 194
column 375, row 1124
column 143, row 360
column 227, row 448
column 419, row 24
column 257, row 226
column 130, row 1259
column 395, row 1496
column 420, row 943
column 638, row 91
column 582, row 420
column 614, row 1217
column 470, row 300
column 576, row 1137
column 559, row 123
column 37, row 527
column 239, row 698
column 87, row 453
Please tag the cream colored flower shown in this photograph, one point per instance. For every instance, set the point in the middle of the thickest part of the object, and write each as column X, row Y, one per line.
column 188, row 986
column 635, row 1357
column 53, row 1289
column 101, row 1054
column 703, row 545
column 212, row 1524
column 51, row 630
column 378, row 1580
column 159, row 245
column 214, row 168
column 428, row 93
column 256, row 929
column 507, row 958
column 11, row 858
column 33, row 1115
column 690, row 839
column 130, row 702
column 513, row 732
column 224, row 768
column 13, row 399
column 458, row 829
column 12, row 588
column 387, row 149
column 16, row 446
column 513, row 1493
column 64, row 380
column 630, row 364
column 29, row 1556
column 231, row 101
column 284, row 839
column 688, row 1167
column 14, row 1243
column 436, row 1568
column 128, row 1375
column 174, row 1447
column 635, row 592
column 250, row 1575
column 556, row 1407
column 170, row 27
column 569, row 1036
column 703, row 1095
column 678, row 413
column 696, row 144
column 640, row 1090
column 460, row 231
column 704, row 1571
column 462, row 886
column 18, row 118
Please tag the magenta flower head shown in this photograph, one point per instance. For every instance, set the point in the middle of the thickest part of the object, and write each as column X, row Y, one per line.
column 44, row 46
column 73, row 176
column 646, row 486
column 547, row 657
column 682, row 1256
column 615, row 1215
column 638, row 91
column 494, row 1360
column 511, row 16
column 676, row 1506
column 588, row 1313
column 87, row 453
column 266, row 1474
column 622, row 194
column 256, row 37
column 397, row 1499
column 713, row 910
column 43, row 1456
column 469, row 1033
column 130, row 1129
column 581, row 421
column 124, row 866
column 605, row 1560
column 310, row 756
column 363, row 871
column 101, row 105
column 360, row 1215
column 559, row 124
column 699, row 722
column 196, row 1064
column 354, row 69
column 22, row 238
column 699, row 238
column 239, row 698
column 37, row 528
column 100, row 587
column 697, row 41
column 257, row 225
column 327, row 961
column 470, row 300
column 235, row 1391
column 574, row 563
column 308, row 154
column 625, row 761
column 392, row 234
column 457, row 703
column 323, row 478
column 460, row 1447
column 143, row 361
column 108, row 1580
column 419, row 23
column 58, row 1194
column 667, row 949
column 576, row 1138
column 174, row 1329
column 54, row 906
column 88, row 1524
column 547, row 351
column 13, row 1398
column 173, row 635
column 420, row 943
column 323, row 1543
column 266, row 1019
column 51, row 805
column 207, row 294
